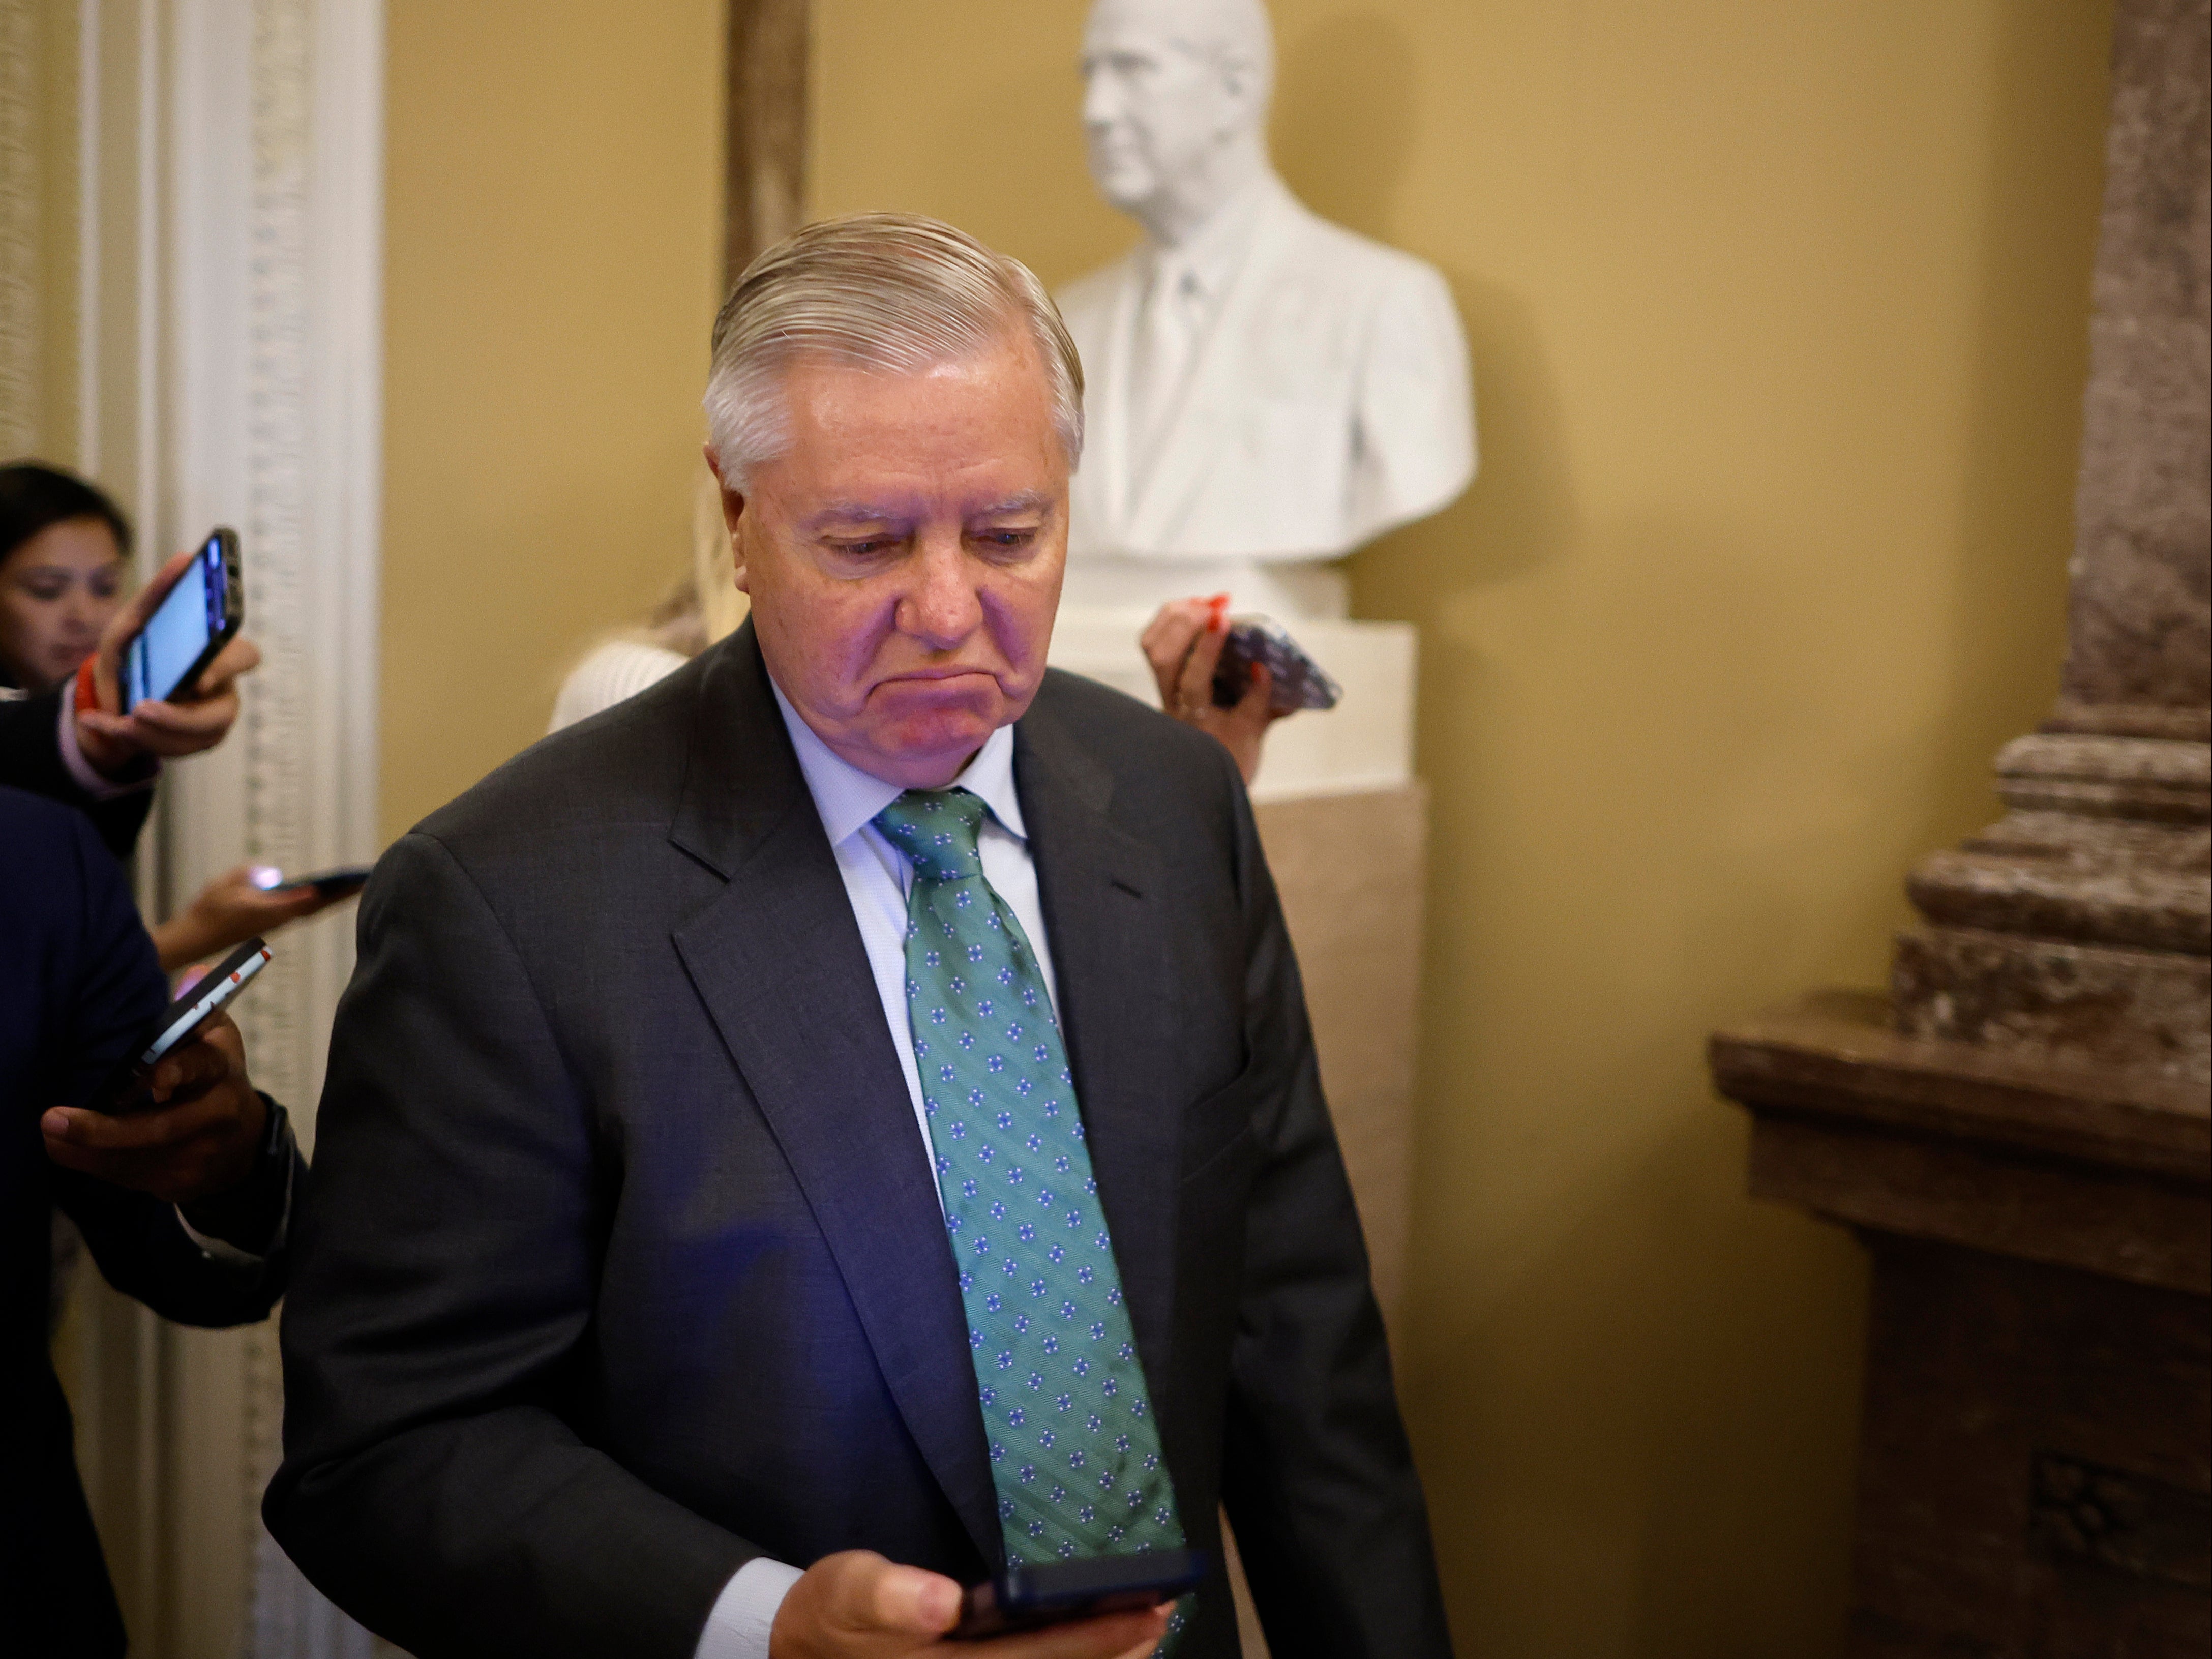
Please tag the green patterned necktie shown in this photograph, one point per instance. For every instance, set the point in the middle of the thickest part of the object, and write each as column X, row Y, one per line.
column 1075, row 1453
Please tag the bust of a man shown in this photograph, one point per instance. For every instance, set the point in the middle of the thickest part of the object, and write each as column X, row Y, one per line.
column 1265, row 391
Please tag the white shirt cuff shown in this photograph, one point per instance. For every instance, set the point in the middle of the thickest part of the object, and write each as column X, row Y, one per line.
column 218, row 1249
column 223, row 1250
column 81, row 769
column 745, row 1611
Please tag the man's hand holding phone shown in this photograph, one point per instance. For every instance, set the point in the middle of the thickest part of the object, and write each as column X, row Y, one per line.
column 856, row 1605
column 186, row 723
column 197, row 1137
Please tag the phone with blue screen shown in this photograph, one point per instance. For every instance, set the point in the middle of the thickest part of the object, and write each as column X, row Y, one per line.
column 199, row 617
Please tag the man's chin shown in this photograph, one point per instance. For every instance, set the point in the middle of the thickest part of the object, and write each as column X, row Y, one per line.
column 1127, row 191
column 930, row 727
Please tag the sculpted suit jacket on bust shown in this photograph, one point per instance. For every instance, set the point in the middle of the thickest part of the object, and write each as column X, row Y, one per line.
column 624, row 1263
column 1328, row 401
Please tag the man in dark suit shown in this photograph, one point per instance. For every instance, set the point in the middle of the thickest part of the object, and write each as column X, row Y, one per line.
column 845, row 1118
column 182, row 1205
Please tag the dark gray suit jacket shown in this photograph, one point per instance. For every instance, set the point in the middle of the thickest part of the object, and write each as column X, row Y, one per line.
column 621, row 1261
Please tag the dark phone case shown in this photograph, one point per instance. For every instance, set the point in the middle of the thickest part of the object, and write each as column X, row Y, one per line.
column 1032, row 1595
column 1299, row 680
column 332, row 884
column 233, row 614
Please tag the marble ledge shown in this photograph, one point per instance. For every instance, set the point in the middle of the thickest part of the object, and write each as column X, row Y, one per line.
column 2079, row 1166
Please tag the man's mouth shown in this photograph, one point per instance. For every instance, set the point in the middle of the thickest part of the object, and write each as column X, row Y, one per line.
column 942, row 674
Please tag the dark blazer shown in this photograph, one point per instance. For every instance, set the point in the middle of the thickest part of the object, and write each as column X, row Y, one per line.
column 78, row 984
column 31, row 759
column 624, row 1263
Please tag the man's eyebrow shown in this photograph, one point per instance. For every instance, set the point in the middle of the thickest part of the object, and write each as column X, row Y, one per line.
column 855, row 513
column 1033, row 500
column 863, row 512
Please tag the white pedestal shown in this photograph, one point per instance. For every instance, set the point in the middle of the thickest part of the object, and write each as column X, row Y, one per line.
column 1365, row 743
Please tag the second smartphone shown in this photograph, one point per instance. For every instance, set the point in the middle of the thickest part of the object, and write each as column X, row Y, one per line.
column 201, row 615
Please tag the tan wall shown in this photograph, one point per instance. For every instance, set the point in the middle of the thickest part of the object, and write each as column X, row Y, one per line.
column 553, row 232
column 1777, row 313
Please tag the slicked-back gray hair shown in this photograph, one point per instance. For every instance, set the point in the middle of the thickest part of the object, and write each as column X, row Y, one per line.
column 894, row 292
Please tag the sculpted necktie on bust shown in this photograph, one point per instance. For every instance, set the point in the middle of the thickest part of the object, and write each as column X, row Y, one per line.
column 1075, row 1451
column 1169, row 326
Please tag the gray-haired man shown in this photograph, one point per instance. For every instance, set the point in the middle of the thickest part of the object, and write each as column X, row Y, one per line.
column 845, row 1117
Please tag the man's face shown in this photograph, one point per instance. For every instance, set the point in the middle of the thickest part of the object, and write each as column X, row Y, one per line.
column 903, row 555
column 1153, row 104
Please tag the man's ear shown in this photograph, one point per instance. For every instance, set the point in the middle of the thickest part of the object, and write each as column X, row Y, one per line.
column 733, row 516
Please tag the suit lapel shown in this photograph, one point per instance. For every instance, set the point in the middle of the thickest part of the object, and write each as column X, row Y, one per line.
column 1202, row 422
column 1101, row 890
column 779, row 963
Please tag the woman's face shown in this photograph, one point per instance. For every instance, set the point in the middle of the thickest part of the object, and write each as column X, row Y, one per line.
column 57, row 592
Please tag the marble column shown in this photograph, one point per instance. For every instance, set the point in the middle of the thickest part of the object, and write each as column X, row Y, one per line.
column 2020, row 1130
column 2076, row 927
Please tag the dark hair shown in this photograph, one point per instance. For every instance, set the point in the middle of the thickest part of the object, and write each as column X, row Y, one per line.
column 34, row 497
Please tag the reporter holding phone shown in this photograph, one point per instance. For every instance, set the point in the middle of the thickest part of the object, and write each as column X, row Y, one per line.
column 184, row 1203
column 65, row 630
column 63, row 553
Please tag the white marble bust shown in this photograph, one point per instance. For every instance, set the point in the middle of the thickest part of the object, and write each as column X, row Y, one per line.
column 1265, row 391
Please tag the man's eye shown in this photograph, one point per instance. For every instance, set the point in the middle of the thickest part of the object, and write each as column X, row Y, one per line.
column 1008, row 538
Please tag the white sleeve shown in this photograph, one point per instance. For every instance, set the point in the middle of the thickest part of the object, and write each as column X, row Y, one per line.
column 234, row 1255
column 618, row 669
column 745, row 1611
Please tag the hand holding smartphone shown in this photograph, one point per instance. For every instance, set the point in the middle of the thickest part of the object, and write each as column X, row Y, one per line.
column 168, row 643
column 1297, row 681
column 123, row 1089
column 342, row 882
column 189, row 628
column 178, row 1118
column 1035, row 1595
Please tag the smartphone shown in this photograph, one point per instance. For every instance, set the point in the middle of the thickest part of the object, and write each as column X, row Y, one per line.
column 1030, row 1596
column 1298, row 681
column 341, row 883
column 199, row 617
column 124, row 1088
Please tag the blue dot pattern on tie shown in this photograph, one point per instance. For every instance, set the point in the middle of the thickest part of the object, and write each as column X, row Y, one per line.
column 1075, row 1453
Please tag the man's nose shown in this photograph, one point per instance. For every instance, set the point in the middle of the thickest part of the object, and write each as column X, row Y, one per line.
column 941, row 609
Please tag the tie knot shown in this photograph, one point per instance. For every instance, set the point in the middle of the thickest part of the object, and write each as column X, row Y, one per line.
column 937, row 829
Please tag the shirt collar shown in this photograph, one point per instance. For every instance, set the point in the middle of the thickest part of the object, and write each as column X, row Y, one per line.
column 848, row 799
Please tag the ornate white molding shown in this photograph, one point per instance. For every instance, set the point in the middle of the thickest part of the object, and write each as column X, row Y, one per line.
column 232, row 348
